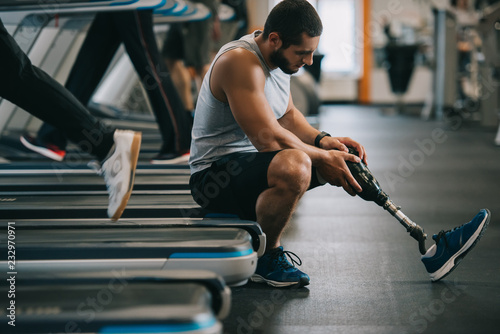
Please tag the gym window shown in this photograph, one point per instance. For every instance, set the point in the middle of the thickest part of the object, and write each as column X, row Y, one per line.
column 340, row 42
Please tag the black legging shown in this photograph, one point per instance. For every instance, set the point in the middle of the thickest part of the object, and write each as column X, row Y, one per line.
column 135, row 30
column 36, row 92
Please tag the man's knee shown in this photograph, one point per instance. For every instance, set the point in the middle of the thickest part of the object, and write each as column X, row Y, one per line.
column 291, row 168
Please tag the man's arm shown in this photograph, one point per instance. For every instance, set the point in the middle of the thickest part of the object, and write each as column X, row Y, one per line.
column 238, row 79
column 295, row 122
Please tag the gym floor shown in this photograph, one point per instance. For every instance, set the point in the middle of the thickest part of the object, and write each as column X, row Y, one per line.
column 365, row 269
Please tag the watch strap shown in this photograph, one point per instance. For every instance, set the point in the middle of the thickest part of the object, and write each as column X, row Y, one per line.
column 320, row 136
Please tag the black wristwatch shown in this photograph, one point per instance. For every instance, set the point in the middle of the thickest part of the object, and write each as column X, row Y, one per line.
column 319, row 137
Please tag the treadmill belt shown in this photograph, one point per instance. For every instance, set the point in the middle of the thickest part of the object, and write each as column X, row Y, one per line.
column 147, row 204
column 88, row 182
column 112, row 307
column 63, row 168
column 226, row 251
column 253, row 228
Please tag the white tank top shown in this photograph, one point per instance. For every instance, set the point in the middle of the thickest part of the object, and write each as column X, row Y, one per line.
column 215, row 131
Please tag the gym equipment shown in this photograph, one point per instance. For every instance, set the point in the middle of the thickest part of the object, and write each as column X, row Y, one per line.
column 36, row 41
column 72, row 168
column 87, row 182
column 36, row 202
column 117, row 301
column 401, row 60
column 304, row 93
column 78, row 6
column 61, row 176
column 161, row 190
column 489, row 28
column 49, row 51
column 446, row 63
column 188, row 12
column 35, row 177
column 226, row 251
column 36, row 15
column 149, row 203
column 108, row 102
column 374, row 193
column 252, row 228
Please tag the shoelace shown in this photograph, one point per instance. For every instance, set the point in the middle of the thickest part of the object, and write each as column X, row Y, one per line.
column 442, row 234
column 280, row 257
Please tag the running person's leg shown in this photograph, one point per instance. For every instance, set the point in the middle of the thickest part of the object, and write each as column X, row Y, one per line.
column 98, row 48
column 198, row 46
column 33, row 90
column 173, row 54
column 136, row 29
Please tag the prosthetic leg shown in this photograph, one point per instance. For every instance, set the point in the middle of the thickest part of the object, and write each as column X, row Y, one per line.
column 374, row 193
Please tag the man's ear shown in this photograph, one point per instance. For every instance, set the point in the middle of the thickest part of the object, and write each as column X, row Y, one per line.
column 275, row 40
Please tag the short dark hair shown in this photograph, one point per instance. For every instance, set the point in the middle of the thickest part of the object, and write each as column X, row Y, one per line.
column 291, row 18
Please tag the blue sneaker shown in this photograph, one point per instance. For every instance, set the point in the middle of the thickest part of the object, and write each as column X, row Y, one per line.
column 452, row 246
column 274, row 269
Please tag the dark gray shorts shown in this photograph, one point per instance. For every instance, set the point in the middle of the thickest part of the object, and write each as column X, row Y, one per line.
column 232, row 184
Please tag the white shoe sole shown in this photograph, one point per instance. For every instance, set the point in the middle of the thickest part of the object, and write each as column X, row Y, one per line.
column 259, row 279
column 451, row 263
column 134, row 156
column 45, row 152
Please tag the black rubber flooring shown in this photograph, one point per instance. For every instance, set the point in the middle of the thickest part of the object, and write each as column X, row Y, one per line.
column 366, row 273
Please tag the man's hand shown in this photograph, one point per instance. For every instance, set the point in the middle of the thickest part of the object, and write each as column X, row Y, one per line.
column 335, row 171
column 341, row 144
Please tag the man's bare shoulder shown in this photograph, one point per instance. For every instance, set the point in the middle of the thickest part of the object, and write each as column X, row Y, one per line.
column 236, row 70
column 238, row 59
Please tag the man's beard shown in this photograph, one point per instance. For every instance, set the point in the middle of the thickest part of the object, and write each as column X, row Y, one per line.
column 280, row 61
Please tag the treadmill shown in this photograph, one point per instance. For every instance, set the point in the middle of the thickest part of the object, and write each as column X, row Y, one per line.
column 226, row 251
column 147, row 203
column 71, row 168
column 251, row 227
column 36, row 15
column 73, row 9
column 87, row 182
column 60, row 176
column 29, row 32
column 61, row 185
column 118, row 302
column 49, row 51
column 189, row 12
column 79, row 6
